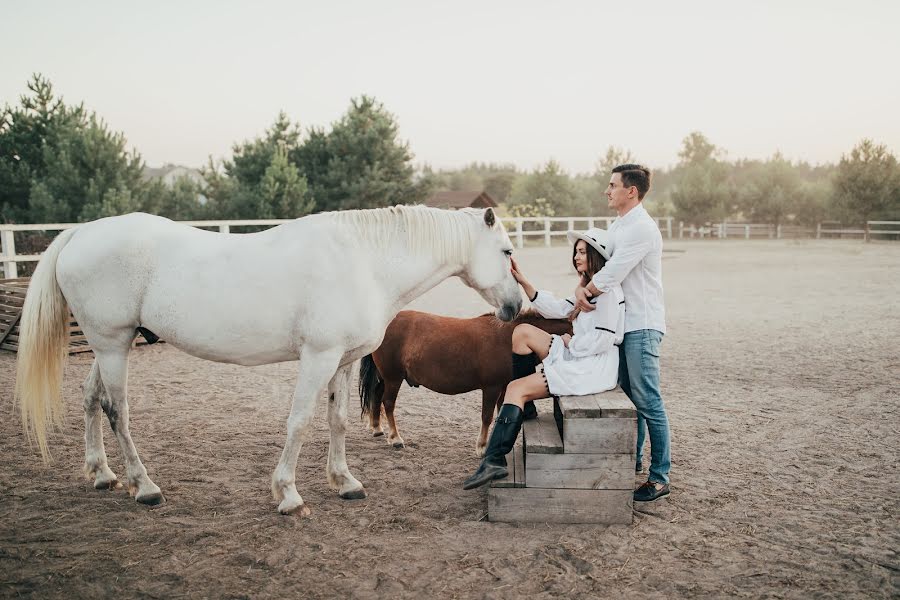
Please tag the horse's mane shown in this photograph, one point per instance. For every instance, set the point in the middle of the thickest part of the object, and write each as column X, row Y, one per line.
column 524, row 316
column 446, row 235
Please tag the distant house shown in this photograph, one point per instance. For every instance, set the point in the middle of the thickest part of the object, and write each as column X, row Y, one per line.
column 456, row 200
column 169, row 174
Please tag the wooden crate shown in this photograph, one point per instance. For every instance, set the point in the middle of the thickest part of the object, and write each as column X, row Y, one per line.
column 12, row 297
column 586, row 476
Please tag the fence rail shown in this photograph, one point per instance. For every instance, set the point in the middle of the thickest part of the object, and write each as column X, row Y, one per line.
column 519, row 229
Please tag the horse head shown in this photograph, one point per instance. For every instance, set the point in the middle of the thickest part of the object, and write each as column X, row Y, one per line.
column 488, row 269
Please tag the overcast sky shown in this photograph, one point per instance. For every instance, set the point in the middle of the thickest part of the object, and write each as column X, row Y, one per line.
column 494, row 81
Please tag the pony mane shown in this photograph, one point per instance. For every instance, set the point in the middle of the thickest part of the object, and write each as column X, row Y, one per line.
column 447, row 235
column 523, row 317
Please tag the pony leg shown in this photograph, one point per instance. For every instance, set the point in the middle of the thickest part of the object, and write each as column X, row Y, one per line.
column 339, row 477
column 389, row 400
column 96, row 466
column 489, row 399
column 113, row 366
column 316, row 369
column 375, row 410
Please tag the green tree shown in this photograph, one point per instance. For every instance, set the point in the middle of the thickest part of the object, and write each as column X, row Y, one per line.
column 551, row 183
column 260, row 182
column 62, row 163
column 770, row 191
column 701, row 191
column 867, row 183
column 360, row 163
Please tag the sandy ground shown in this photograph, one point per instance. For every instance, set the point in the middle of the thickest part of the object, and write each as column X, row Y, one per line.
column 780, row 371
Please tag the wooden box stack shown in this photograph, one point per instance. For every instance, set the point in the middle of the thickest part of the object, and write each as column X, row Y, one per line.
column 573, row 466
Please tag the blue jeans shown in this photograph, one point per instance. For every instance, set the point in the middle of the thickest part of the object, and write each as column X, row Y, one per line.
column 639, row 378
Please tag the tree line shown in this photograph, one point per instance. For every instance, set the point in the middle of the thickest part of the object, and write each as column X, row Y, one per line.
column 61, row 163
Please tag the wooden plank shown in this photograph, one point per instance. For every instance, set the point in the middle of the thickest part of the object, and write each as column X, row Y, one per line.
column 542, row 436
column 537, row 505
column 580, row 471
column 579, row 407
column 599, row 436
column 615, row 404
column 515, row 462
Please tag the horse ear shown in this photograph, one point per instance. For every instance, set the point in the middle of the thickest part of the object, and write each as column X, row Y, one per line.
column 489, row 218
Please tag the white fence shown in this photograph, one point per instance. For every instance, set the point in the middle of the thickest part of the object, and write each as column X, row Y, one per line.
column 520, row 228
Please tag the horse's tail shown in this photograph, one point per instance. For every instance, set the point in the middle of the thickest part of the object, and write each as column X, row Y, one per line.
column 43, row 339
column 369, row 382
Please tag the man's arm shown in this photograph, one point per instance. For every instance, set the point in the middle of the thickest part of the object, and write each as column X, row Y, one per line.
column 630, row 250
column 628, row 253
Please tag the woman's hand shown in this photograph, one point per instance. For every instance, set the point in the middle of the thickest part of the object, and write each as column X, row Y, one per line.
column 566, row 338
column 517, row 273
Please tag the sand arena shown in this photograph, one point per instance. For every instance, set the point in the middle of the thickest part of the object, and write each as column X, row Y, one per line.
column 780, row 372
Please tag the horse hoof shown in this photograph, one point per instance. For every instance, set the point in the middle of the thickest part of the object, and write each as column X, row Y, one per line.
column 109, row 484
column 152, row 499
column 378, row 434
column 398, row 445
column 301, row 510
column 354, row 494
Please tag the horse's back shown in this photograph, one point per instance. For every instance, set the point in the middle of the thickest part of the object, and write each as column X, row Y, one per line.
column 445, row 354
column 245, row 298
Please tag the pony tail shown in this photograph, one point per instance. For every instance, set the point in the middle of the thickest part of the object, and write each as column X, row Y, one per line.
column 42, row 352
column 369, row 382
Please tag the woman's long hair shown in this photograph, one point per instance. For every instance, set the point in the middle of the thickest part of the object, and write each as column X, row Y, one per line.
column 595, row 261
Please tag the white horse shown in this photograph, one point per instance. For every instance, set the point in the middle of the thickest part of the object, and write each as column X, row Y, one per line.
column 321, row 290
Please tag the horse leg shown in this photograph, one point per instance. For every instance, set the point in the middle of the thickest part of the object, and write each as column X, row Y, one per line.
column 489, row 396
column 389, row 399
column 375, row 411
column 96, row 466
column 113, row 366
column 316, row 369
column 339, row 477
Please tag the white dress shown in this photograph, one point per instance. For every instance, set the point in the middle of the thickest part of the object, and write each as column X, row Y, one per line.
column 591, row 362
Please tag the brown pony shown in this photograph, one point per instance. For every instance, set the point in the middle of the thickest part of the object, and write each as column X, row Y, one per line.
column 446, row 355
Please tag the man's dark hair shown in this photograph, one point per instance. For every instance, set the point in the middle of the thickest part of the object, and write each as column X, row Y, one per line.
column 635, row 175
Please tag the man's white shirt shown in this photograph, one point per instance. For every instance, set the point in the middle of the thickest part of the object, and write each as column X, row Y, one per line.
column 636, row 264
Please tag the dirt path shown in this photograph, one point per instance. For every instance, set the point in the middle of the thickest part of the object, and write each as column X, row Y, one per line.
column 781, row 373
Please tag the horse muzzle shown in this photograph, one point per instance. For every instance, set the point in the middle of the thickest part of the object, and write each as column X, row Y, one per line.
column 508, row 312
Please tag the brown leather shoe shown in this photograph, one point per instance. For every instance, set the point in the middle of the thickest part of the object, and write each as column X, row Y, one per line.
column 650, row 491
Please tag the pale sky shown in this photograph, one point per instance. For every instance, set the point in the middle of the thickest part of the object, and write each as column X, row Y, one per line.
column 492, row 81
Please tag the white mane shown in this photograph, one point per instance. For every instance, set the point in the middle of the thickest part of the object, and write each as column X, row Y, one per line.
column 447, row 235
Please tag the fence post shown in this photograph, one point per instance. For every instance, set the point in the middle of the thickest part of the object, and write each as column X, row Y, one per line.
column 591, row 223
column 778, row 231
column 669, row 227
column 866, row 234
column 680, row 230
column 724, row 230
column 9, row 251
column 746, row 232
column 547, row 232
column 571, row 224
column 818, row 230
column 520, row 239
column 224, row 229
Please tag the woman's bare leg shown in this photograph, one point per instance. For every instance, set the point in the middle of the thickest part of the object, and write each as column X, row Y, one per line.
column 522, row 390
column 528, row 338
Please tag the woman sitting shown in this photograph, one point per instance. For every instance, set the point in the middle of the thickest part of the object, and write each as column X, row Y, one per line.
column 584, row 363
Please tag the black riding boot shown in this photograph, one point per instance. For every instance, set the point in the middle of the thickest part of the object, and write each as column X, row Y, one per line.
column 523, row 366
column 503, row 438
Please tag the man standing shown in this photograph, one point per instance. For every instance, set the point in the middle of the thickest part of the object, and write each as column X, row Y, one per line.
column 636, row 264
